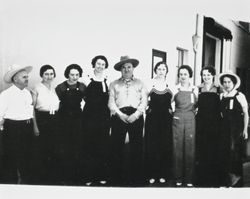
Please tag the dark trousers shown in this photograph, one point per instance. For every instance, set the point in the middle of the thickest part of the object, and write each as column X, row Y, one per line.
column 127, row 159
column 44, row 156
column 17, row 140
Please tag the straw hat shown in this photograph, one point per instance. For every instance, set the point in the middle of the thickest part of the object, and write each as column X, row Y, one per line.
column 230, row 74
column 14, row 69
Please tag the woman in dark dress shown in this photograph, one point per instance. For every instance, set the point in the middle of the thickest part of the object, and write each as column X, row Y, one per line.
column 235, row 118
column 158, row 128
column 70, row 93
column 96, row 118
column 207, row 130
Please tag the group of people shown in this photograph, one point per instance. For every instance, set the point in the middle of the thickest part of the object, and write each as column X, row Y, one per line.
column 126, row 134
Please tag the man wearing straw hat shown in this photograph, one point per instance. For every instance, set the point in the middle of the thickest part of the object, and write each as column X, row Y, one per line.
column 16, row 113
column 127, row 102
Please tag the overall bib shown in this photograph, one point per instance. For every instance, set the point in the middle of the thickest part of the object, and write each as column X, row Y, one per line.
column 184, row 136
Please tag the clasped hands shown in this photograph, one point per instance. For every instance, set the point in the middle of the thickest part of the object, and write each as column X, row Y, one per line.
column 127, row 118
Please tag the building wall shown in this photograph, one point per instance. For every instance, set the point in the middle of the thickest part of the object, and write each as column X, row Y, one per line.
column 64, row 32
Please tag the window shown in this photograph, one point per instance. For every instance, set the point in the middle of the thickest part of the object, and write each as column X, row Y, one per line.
column 182, row 56
column 157, row 56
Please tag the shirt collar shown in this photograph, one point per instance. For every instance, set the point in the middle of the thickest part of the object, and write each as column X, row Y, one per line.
column 92, row 76
column 17, row 89
column 230, row 94
column 127, row 80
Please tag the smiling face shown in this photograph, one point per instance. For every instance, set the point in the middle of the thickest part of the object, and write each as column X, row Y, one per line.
column 161, row 71
column 48, row 76
column 228, row 84
column 127, row 70
column 100, row 65
column 184, row 76
column 73, row 76
column 207, row 77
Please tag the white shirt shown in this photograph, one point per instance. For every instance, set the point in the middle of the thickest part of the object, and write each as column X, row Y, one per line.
column 46, row 99
column 241, row 97
column 16, row 104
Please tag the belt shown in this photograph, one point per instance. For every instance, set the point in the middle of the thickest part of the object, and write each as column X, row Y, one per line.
column 128, row 110
column 18, row 121
column 46, row 112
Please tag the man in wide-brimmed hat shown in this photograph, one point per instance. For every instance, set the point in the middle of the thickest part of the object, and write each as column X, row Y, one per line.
column 16, row 113
column 127, row 102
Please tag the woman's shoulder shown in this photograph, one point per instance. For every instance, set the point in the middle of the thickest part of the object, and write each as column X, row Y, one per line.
column 61, row 86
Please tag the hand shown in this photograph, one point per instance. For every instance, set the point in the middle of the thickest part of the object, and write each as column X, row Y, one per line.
column 245, row 134
column 1, row 125
column 36, row 131
column 132, row 118
column 1, row 128
column 123, row 117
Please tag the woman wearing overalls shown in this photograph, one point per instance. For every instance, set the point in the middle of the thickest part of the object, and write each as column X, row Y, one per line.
column 96, row 119
column 158, row 128
column 70, row 94
column 185, row 97
column 234, row 109
column 207, row 130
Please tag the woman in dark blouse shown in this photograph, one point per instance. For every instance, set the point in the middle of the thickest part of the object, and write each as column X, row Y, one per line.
column 70, row 93
column 96, row 119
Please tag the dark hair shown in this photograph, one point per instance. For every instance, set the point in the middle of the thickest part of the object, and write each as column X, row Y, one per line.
column 210, row 69
column 188, row 68
column 94, row 60
column 233, row 78
column 45, row 68
column 70, row 67
column 158, row 64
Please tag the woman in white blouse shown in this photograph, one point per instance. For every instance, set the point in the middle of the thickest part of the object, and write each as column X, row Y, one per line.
column 46, row 104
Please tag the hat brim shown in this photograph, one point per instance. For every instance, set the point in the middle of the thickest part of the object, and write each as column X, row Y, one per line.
column 9, row 75
column 222, row 75
column 118, row 66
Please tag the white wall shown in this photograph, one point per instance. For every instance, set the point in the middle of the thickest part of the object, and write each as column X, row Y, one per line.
column 61, row 32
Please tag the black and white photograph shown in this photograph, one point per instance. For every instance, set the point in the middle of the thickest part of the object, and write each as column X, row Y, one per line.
column 108, row 98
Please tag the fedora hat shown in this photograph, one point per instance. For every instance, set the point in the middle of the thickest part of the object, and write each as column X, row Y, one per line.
column 230, row 74
column 126, row 59
column 14, row 69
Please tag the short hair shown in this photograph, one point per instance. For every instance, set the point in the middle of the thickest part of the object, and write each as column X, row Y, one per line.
column 159, row 63
column 233, row 79
column 210, row 69
column 45, row 68
column 102, row 57
column 188, row 68
column 70, row 67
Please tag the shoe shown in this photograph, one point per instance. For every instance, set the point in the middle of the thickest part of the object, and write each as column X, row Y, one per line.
column 152, row 181
column 162, row 180
column 88, row 183
column 178, row 184
column 103, row 182
column 190, row 185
